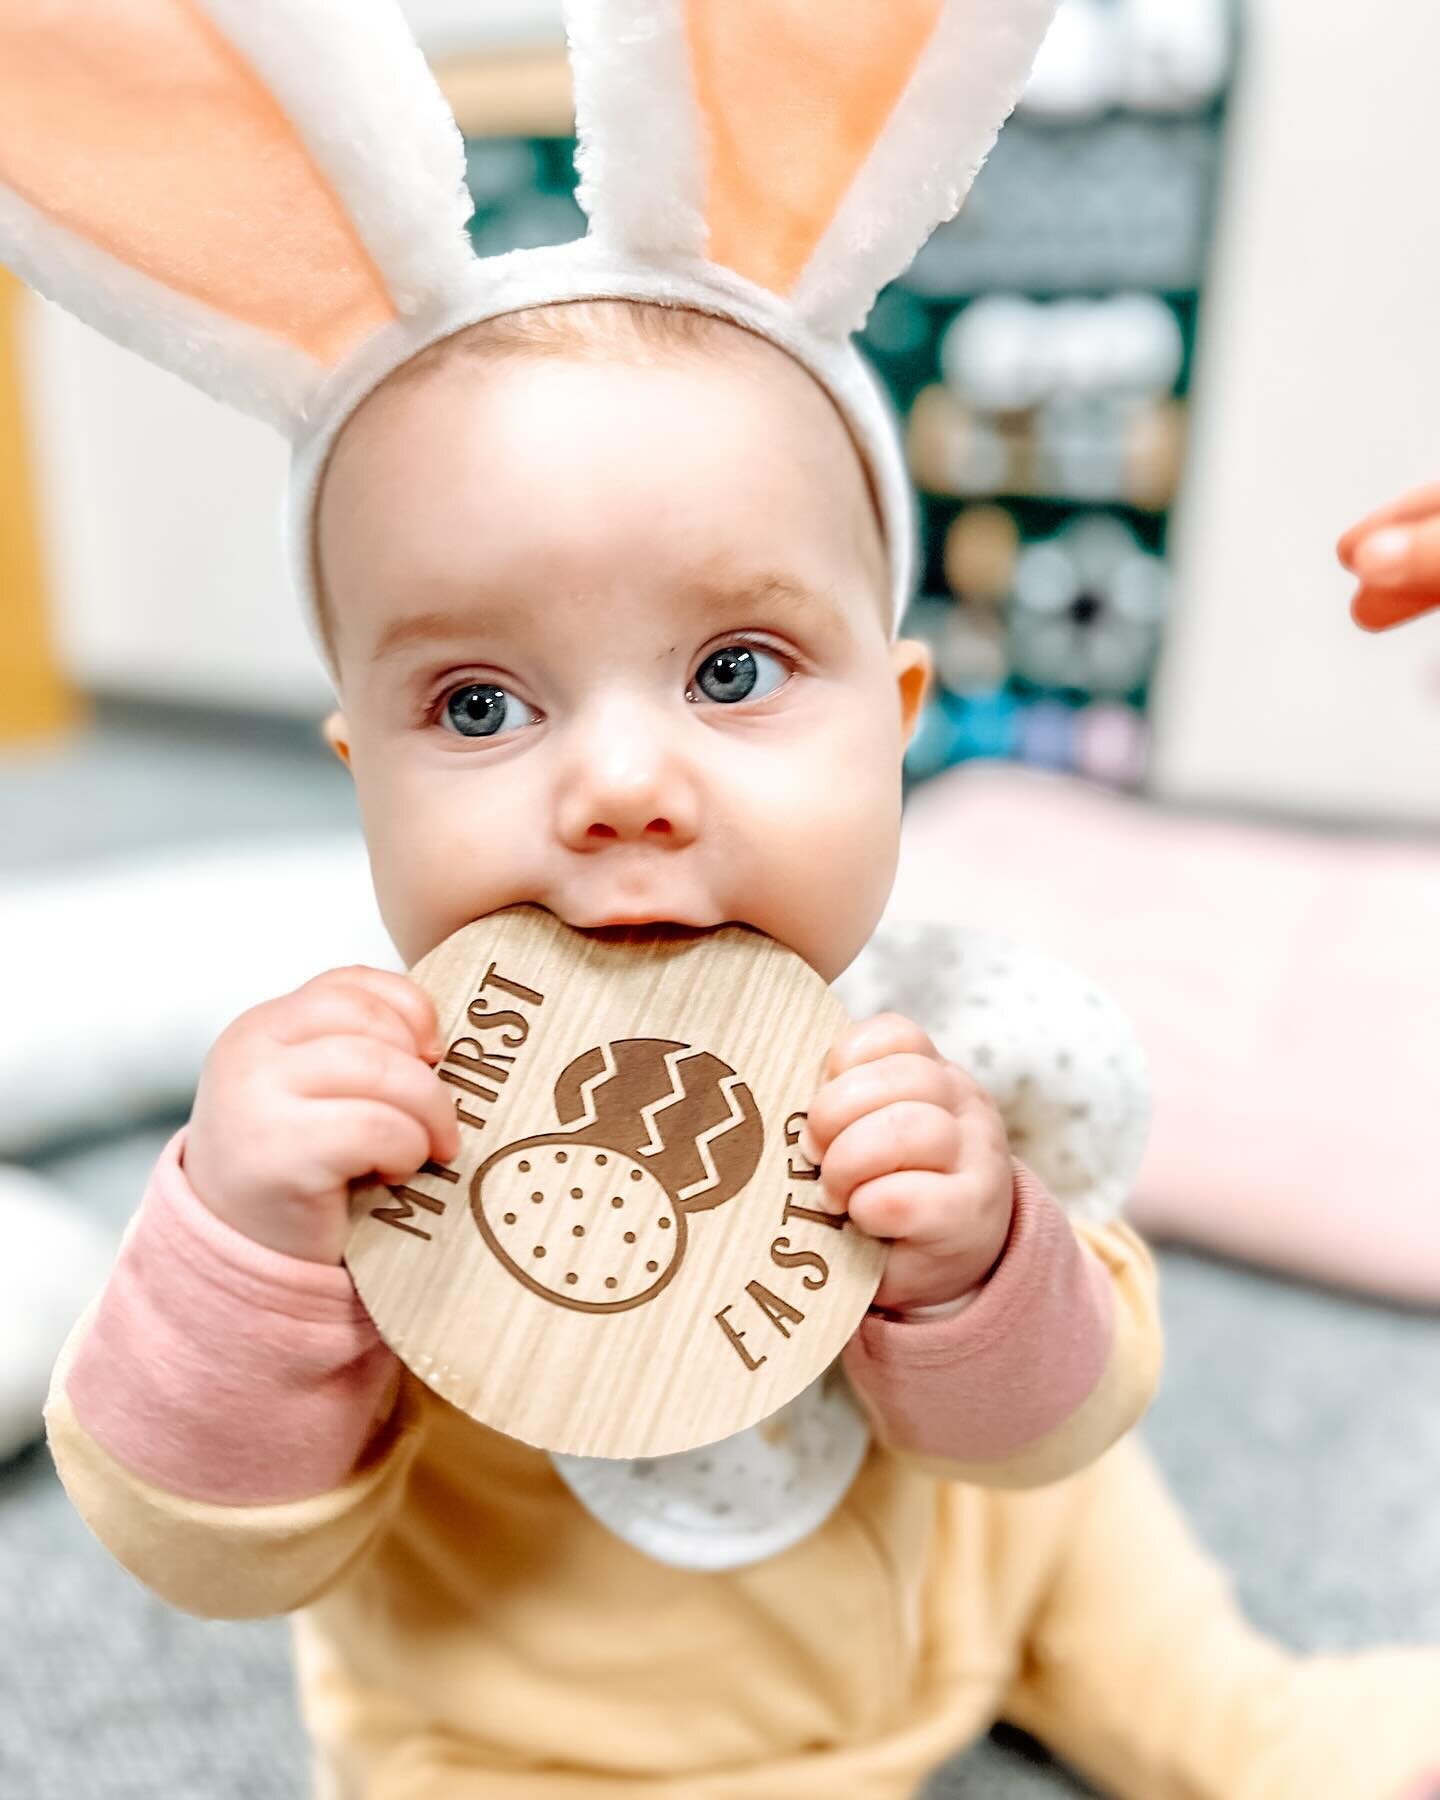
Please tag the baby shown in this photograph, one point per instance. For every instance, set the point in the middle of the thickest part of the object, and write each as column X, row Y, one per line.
column 607, row 543
column 606, row 598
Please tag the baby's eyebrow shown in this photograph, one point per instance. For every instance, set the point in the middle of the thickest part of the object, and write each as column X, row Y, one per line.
column 420, row 628
column 716, row 586
column 725, row 586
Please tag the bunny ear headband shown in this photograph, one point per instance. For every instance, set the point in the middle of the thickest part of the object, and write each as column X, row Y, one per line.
column 267, row 196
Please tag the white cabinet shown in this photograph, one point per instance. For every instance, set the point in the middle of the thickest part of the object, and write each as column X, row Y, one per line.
column 1316, row 398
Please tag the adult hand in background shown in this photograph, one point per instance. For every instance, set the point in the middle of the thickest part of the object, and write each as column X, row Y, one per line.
column 1395, row 555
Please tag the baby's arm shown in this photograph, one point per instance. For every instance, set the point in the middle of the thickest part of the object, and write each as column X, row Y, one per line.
column 1010, row 1343
column 227, row 1420
column 1053, row 1360
column 221, row 1370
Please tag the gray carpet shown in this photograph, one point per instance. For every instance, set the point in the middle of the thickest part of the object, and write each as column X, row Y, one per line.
column 1300, row 1428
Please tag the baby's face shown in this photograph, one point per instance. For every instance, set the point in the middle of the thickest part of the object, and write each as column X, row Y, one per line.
column 610, row 637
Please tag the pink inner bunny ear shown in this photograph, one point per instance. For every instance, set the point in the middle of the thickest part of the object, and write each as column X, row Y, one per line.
column 134, row 125
column 793, row 96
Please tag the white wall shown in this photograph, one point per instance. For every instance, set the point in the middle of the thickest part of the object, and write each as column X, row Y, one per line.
column 162, row 531
column 1319, row 397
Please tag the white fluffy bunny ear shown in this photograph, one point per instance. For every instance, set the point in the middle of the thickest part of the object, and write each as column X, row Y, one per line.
column 810, row 146
column 242, row 190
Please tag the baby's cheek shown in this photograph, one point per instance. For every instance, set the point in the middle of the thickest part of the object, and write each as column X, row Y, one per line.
column 836, row 867
column 431, row 858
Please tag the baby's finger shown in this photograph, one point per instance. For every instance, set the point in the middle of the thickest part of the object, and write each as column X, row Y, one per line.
column 356, row 1138
column 969, row 1093
column 397, row 992
column 1399, row 556
column 1418, row 503
column 1382, row 608
column 887, row 1034
column 983, row 1140
column 362, row 1068
column 869, row 1086
column 911, row 1134
column 316, row 1011
column 918, row 1205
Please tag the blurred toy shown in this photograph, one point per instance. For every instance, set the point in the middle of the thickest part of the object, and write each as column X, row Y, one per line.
column 979, row 560
column 1174, row 54
column 1155, row 55
column 1088, row 608
column 1110, row 744
column 1074, row 75
column 1070, row 399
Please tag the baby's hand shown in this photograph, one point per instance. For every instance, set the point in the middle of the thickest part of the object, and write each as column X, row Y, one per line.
column 305, row 1094
column 917, row 1152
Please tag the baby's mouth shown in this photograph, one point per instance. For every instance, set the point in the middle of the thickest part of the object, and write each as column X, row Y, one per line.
column 642, row 931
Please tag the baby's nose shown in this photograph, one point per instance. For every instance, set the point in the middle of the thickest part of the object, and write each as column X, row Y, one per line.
column 602, row 829
column 632, row 794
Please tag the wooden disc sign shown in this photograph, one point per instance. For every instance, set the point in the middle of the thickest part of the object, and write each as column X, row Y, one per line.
column 630, row 1256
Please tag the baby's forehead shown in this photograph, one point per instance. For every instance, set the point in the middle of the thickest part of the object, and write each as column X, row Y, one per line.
column 537, row 444
column 628, row 340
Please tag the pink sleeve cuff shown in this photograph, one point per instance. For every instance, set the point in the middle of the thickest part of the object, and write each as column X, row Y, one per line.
column 984, row 1383
column 220, row 1370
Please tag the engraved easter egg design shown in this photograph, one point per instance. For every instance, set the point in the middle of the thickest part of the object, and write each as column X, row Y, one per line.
column 597, row 1217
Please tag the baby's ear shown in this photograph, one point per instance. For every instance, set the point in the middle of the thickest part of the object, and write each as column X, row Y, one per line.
column 914, row 667
column 337, row 736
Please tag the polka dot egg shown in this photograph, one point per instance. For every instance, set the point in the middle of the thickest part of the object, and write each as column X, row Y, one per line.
column 584, row 1225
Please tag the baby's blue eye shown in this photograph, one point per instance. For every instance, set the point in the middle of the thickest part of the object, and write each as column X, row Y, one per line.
column 481, row 709
column 738, row 672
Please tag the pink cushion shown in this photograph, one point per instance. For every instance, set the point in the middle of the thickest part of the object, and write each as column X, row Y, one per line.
column 1286, row 986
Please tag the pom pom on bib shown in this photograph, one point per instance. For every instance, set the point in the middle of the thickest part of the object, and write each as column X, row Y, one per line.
column 1057, row 1056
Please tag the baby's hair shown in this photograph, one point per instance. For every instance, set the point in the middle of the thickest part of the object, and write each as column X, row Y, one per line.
column 589, row 330
column 598, row 330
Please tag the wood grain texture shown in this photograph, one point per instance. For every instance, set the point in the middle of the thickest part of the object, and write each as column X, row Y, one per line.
column 630, row 1256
